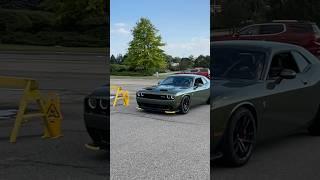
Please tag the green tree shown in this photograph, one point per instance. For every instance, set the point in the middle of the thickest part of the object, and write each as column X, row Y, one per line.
column 70, row 13
column 144, row 52
column 113, row 59
column 119, row 59
column 186, row 63
column 202, row 61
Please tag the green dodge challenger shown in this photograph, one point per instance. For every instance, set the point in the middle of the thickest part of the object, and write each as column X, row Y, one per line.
column 176, row 93
column 260, row 90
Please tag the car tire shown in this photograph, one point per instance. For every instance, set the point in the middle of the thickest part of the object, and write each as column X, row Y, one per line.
column 314, row 128
column 185, row 105
column 240, row 138
column 208, row 101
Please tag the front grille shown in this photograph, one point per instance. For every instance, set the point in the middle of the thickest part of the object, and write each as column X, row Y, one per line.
column 155, row 106
column 155, row 96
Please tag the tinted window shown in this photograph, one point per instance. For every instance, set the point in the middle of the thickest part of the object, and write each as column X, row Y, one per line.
column 198, row 81
column 252, row 30
column 193, row 70
column 282, row 61
column 316, row 29
column 234, row 63
column 203, row 70
column 300, row 28
column 271, row 29
column 180, row 81
column 300, row 60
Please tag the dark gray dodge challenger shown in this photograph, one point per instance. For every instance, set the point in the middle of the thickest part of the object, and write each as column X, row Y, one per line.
column 260, row 90
column 176, row 93
column 96, row 110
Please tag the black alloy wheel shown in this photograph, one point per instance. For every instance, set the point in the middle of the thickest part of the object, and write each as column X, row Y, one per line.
column 240, row 138
column 185, row 105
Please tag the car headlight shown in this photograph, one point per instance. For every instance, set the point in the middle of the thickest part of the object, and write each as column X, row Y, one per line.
column 92, row 102
column 103, row 104
column 170, row 97
column 140, row 94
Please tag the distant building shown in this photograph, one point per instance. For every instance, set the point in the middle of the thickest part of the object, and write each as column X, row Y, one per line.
column 174, row 64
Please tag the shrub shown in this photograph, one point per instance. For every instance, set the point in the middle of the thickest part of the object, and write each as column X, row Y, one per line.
column 119, row 68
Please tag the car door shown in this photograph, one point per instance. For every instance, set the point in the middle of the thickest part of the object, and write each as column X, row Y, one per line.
column 307, row 100
column 282, row 102
column 206, row 91
column 199, row 89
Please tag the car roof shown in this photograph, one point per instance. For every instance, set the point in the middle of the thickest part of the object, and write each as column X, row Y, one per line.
column 257, row 44
column 187, row 75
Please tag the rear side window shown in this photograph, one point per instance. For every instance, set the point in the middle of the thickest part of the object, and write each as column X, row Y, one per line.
column 316, row 29
column 204, row 81
column 203, row 70
column 300, row 28
column 301, row 61
column 271, row 29
column 194, row 70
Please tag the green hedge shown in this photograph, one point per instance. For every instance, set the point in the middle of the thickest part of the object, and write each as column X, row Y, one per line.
column 129, row 73
column 47, row 38
column 124, row 70
column 40, row 28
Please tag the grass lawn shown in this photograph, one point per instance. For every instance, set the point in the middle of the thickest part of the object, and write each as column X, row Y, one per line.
column 49, row 49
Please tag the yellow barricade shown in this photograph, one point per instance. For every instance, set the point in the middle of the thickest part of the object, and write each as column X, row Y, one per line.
column 119, row 94
column 49, row 108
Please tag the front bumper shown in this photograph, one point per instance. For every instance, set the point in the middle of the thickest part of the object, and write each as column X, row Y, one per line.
column 158, row 105
column 97, row 128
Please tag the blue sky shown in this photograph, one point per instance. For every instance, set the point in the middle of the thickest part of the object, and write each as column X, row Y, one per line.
column 183, row 24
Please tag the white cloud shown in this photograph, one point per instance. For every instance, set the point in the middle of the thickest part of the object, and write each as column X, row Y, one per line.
column 196, row 46
column 120, row 24
column 120, row 29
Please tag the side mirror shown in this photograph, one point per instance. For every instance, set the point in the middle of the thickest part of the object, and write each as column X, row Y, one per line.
column 198, row 85
column 288, row 74
column 159, row 82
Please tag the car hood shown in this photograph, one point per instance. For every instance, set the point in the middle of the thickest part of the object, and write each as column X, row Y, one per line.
column 226, row 92
column 165, row 89
column 101, row 91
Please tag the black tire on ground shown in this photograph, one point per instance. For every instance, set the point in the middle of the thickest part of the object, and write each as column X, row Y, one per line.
column 314, row 128
column 240, row 138
column 185, row 105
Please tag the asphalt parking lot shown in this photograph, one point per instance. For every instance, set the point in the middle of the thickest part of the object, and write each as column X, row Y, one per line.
column 293, row 157
column 148, row 145
column 72, row 76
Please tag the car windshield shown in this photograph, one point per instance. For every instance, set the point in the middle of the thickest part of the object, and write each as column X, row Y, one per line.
column 237, row 63
column 180, row 81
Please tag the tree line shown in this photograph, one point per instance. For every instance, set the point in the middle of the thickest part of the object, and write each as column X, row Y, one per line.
column 119, row 65
column 145, row 55
column 54, row 22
